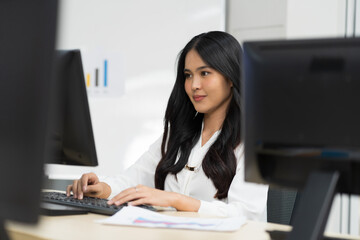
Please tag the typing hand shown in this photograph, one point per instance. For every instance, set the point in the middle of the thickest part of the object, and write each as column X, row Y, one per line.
column 88, row 185
column 144, row 195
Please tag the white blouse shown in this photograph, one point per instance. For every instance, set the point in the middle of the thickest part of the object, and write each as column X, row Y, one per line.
column 244, row 199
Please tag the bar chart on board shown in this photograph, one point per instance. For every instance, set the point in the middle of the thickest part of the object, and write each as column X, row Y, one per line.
column 103, row 74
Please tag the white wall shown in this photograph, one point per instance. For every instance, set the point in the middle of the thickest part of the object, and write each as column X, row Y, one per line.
column 280, row 19
column 147, row 36
column 311, row 19
column 256, row 19
column 357, row 21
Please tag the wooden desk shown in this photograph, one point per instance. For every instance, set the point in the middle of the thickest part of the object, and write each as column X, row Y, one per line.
column 84, row 227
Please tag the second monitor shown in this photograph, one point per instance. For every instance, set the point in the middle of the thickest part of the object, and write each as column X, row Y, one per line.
column 301, row 122
column 71, row 135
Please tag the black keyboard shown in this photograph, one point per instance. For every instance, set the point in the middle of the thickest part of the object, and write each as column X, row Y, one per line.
column 94, row 205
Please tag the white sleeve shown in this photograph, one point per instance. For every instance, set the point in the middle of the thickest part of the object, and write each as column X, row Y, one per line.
column 244, row 198
column 141, row 172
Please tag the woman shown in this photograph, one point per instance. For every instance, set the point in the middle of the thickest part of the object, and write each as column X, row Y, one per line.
column 197, row 165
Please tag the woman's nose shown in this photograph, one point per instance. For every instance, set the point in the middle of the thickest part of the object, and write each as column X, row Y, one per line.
column 196, row 83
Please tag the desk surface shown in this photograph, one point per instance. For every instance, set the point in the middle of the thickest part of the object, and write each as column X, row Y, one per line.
column 84, row 227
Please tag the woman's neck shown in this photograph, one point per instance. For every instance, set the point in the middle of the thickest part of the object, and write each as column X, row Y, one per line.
column 212, row 124
column 213, row 121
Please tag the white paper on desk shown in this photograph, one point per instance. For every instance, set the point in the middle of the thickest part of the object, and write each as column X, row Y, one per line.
column 139, row 217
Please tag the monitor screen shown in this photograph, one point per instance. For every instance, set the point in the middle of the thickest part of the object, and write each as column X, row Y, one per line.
column 301, row 116
column 71, row 139
column 300, row 110
column 27, row 41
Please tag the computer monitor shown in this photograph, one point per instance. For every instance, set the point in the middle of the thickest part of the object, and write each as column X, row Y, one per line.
column 71, row 138
column 27, row 40
column 301, row 122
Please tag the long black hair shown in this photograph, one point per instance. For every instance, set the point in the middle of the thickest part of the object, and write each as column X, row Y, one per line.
column 182, row 124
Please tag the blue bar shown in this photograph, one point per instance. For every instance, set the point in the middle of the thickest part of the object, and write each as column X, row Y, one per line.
column 105, row 73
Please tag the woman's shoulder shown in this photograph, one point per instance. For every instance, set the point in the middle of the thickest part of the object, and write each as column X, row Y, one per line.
column 239, row 150
column 239, row 153
column 156, row 145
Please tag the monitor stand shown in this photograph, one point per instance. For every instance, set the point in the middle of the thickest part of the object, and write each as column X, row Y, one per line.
column 56, row 184
column 314, row 206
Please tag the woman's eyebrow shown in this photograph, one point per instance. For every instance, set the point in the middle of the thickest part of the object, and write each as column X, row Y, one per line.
column 198, row 69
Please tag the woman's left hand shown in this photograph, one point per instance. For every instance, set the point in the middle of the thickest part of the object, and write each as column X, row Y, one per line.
column 144, row 195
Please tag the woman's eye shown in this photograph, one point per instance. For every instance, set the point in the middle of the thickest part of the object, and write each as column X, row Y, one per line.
column 187, row 75
column 204, row 73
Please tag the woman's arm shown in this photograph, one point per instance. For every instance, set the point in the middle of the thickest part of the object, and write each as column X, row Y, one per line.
column 244, row 198
column 141, row 172
column 146, row 195
column 248, row 200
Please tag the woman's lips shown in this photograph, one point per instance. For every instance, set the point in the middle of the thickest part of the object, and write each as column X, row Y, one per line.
column 198, row 98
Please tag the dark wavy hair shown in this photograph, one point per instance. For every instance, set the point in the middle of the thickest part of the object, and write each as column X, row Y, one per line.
column 182, row 124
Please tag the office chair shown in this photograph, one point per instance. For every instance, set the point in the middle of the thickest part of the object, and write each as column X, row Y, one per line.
column 280, row 205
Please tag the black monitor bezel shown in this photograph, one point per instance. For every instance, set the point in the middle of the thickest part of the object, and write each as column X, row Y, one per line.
column 71, row 136
column 270, row 160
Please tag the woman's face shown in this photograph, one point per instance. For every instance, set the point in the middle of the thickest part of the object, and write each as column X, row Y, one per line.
column 208, row 90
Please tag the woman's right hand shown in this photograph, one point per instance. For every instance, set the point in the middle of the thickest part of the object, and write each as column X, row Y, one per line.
column 88, row 185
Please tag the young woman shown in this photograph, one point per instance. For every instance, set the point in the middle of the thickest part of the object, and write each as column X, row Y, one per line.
column 197, row 164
